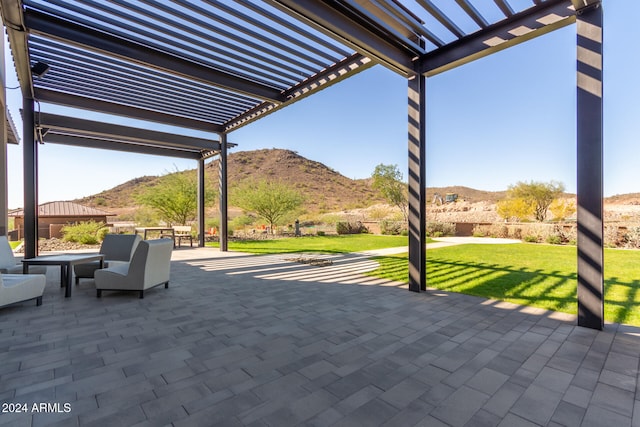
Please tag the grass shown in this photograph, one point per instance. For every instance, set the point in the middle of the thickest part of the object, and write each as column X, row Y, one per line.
column 536, row 275
column 320, row 244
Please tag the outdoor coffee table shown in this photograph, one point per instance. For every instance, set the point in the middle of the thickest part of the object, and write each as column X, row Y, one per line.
column 66, row 263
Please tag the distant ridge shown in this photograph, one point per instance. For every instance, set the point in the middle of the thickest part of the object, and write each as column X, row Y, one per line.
column 466, row 193
column 325, row 189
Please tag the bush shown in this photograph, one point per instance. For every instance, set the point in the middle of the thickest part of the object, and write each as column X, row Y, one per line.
column 554, row 239
column 632, row 238
column 611, row 236
column 392, row 227
column 437, row 229
column 531, row 239
column 344, row 227
column 87, row 233
column 320, row 233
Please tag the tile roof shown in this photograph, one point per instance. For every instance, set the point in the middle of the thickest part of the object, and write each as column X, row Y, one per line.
column 69, row 209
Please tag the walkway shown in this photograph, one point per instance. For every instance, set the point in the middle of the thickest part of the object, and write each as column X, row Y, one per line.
column 242, row 340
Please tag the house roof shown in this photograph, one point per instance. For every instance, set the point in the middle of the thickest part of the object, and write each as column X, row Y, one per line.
column 64, row 209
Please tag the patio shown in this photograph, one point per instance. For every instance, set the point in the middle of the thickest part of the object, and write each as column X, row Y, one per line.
column 256, row 340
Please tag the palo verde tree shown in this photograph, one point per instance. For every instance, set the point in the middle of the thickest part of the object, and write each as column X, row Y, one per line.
column 514, row 209
column 175, row 197
column 387, row 180
column 539, row 195
column 270, row 200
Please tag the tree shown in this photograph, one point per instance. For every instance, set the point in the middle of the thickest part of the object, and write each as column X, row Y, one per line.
column 387, row 179
column 562, row 209
column 516, row 209
column 175, row 197
column 539, row 194
column 270, row 200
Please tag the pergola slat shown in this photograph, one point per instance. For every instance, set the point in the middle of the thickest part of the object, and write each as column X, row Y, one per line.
column 40, row 23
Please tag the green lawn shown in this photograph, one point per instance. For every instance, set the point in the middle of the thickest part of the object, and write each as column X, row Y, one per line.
column 537, row 275
column 324, row 244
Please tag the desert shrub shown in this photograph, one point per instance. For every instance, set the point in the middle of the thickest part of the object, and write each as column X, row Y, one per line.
column 331, row 219
column 480, row 231
column 530, row 238
column 88, row 233
column 437, row 229
column 554, row 239
column 490, row 230
column 378, row 213
column 632, row 238
column 611, row 236
column 392, row 227
column 348, row 227
column 515, row 232
column 145, row 216
column 241, row 221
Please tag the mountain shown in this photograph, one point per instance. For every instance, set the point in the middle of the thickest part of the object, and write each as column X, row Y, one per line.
column 324, row 189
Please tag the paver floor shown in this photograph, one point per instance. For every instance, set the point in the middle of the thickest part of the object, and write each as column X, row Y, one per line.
column 242, row 340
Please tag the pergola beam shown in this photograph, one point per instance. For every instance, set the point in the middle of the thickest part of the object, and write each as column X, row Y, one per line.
column 102, row 130
column 68, row 32
column 13, row 20
column 366, row 39
column 122, row 146
column 75, row 101
column 526, row 25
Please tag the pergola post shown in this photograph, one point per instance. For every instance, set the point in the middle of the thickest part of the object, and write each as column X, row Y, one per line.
column 201, row 202
column 222, row 179
column 30, row 164
column 417, row 183
column 590, row 164
column 4, row 186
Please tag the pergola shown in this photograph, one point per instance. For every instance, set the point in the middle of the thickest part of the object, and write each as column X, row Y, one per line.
column 218, row 65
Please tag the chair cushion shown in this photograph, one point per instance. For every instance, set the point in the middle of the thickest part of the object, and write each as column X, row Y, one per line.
column 20, row 287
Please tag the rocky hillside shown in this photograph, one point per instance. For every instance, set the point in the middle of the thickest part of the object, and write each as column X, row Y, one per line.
column 325, row 190
column 328, row 191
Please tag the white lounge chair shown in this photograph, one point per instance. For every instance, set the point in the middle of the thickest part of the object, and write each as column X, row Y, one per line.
column 8, row 262
column 16, row 288
column 116, row 248
column 149, row 267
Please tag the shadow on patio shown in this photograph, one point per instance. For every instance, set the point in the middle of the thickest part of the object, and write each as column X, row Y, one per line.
column 256, row 340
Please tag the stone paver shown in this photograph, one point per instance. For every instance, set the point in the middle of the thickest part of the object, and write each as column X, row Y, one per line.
column 243, row 340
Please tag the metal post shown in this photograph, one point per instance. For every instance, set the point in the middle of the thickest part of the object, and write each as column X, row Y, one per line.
column 222, row 172
column 4, row 187
column 201, row 202
column 30, row 160
column 417, row 184
column 589, row 167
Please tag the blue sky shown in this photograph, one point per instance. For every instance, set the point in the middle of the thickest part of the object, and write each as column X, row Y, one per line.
column 505, row 118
